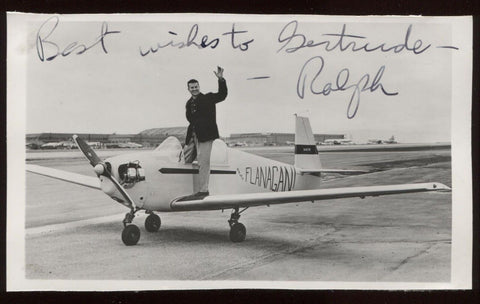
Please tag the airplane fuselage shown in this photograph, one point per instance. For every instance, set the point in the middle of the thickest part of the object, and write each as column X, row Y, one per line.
column 232, row 172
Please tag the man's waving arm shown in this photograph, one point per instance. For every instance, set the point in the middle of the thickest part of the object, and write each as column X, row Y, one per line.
column 222, row 86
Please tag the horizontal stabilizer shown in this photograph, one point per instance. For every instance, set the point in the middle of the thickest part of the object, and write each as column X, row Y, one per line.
column 338, row 171
column 216, row 202
column 79, row 179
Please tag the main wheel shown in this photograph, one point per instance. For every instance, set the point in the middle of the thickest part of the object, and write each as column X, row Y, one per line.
column 238, row 232
column 130, row 235
column 152, row 223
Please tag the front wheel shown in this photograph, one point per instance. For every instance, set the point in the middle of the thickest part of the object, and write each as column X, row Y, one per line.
column 238, row 232
column 152, row 223
column 130, row 235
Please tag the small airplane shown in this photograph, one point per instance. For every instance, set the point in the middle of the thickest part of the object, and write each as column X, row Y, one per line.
column 93, row 144
column 337, row 142
column 391, row 140
column 58, row 145
column 130, row 145
column 51, row 145
column 156, row 181
column 238, row 144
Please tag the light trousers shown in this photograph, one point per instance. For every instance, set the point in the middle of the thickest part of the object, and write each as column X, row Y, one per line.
column 202, row 151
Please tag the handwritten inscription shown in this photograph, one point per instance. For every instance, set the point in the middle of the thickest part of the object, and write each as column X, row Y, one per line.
column 290, row 38
column 275, row 178
column 344, row 42
column 311, row 81
column 205, row 42
column 48, row 50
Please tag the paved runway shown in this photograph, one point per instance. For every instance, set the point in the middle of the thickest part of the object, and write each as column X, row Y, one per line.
column 74, row 232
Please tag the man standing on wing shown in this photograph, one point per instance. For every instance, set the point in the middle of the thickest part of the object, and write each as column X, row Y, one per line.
column 202, row 130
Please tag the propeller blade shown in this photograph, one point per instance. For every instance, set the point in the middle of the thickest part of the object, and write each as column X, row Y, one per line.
column 100, row 167
column 121, row 189
column 87, row 151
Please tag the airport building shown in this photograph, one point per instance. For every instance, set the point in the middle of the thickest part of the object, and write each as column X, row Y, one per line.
column 146, row 138
column 270, row 139
column 36, row 140
column 57, row 137
column 153, row 137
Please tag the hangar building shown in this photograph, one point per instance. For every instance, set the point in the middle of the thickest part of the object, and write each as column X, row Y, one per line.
column 266, row 139
column 153, row 137
column 147, row 138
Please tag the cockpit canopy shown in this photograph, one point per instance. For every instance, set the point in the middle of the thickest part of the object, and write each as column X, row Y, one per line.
column 173, row 149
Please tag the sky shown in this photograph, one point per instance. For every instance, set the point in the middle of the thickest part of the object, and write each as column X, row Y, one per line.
column 111, row 87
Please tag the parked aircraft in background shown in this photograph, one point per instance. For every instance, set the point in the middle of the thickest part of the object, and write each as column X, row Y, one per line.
column 94, row 144
column 338, row 142
column 51, row 145
column 59, row 145
column 130, row 145
column 158, row 180
column 391, row 140
column 238, row 144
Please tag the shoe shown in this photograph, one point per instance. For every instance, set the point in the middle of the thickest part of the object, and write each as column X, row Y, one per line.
column 193, row 197
column 201, row 195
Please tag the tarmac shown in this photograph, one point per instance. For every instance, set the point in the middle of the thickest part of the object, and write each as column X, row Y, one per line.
column 74, row 233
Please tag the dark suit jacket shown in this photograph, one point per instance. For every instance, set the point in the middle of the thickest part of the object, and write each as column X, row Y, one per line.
column 201, row 114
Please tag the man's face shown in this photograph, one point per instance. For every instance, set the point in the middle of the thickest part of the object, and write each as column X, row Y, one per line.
column 194, row 88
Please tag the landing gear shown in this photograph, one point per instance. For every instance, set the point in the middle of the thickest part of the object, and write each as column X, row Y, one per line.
column 129, row 217
column 238, row 232
column 152, row 223
column 130, row 233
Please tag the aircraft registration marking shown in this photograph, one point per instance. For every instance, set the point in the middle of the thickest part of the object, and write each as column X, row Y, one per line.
column 275, row 178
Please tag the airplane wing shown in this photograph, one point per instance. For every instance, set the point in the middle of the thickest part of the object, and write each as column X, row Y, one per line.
column 215, row 202
column 79, row 179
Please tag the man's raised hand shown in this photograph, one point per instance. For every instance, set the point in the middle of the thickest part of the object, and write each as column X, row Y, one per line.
column 219, row 72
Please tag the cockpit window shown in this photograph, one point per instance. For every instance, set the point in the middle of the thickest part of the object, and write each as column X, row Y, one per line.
column 122, row 171
column 131, row 173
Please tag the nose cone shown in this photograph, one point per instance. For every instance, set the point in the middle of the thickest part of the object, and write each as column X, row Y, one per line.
column 99, row 169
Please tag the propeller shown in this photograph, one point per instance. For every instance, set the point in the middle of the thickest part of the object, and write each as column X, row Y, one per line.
column 100, row 167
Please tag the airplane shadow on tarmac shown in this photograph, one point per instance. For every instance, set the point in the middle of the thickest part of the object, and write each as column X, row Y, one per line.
column 202, row 236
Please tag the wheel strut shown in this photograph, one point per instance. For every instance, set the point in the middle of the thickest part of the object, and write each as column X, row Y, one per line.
column 235, row 216
column 238, row 231
column 129, row 217
column 130, row 233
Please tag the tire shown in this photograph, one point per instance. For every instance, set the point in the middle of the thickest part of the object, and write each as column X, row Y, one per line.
column 130, row 235
column 238, row 232
column 152, row 223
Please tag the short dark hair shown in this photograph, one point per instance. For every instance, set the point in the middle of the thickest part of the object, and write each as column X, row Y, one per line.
column 192, row 81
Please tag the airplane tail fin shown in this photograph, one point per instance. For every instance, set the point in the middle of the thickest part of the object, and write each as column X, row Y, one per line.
column 306, row 153
column 307, row 160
